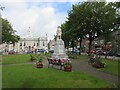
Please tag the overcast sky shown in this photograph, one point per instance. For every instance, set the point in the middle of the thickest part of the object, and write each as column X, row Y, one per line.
column 42, row 16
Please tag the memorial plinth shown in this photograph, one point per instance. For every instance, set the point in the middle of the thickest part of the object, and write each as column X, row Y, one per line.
column 59, row 48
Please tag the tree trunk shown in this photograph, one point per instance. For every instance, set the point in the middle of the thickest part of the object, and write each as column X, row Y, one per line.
column 90, row 43
column 14, row 46
column 80, row 46
column 105, row 50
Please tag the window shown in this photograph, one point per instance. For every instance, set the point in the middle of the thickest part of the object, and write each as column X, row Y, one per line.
column 43, row 44
column 21, row 44
column 37, row 44
column 24, row 43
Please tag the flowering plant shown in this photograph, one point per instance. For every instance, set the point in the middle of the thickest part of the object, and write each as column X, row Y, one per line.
column 39, row 64
column 67, row 63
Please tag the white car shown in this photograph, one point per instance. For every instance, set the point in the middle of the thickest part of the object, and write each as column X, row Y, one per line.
column 1, row 52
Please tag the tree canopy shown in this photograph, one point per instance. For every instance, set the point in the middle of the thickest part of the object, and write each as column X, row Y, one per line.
column 90, row 20
column 8, row 33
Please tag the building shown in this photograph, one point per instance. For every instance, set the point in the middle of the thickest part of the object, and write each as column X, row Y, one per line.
column 51, row 44
column 112, row 44
column 26, row 43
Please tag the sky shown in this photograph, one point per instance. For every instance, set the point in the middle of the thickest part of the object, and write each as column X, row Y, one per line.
column 42, row 16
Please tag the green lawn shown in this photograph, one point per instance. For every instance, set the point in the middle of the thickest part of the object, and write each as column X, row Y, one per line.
column 19, row 58
column 111, row 67
column 21, row 76
column 24, row 76
column 12, row 59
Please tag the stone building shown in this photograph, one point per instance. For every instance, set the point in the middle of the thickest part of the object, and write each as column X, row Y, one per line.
column 31, row 43
column 51, row 44
column 27, row 43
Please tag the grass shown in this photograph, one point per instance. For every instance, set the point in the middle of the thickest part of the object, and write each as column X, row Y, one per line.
column 24, row 76
column 13, row 59
column 111, row 65
column 19, row 58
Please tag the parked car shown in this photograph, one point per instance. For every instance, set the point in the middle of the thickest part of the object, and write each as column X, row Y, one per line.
column 11, row 52
column 51, row 51
column 41, row 50
column 29, row 51
column 110, row 53
column 76, row 51
column 91, row 51
column 1, row 52
column 118, row 54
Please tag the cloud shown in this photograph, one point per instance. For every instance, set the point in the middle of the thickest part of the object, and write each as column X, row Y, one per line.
column 42, row 0
column 56, row 0
column 41, row 16
column 42, row 19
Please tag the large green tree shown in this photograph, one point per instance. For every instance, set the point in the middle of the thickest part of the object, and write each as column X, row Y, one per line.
column 91, row 20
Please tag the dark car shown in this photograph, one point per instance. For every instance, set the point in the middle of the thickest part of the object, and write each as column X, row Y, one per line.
column 51, row 51
column 118, row 54
column 11, row 52
column 41, row 50
column 110, row 53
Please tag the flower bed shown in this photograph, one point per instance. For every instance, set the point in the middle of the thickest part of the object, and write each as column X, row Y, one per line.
column 39, row 63
column 66, row 63
column 67, row 66
column 96, row 62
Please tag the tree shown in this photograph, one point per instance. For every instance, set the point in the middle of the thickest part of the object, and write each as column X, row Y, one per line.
column 91, row 20
column 8, row 34
column 78, row 24
column 66, row 34
column 109, row 22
